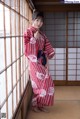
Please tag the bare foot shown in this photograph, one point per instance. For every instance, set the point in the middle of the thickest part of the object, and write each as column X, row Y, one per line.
column 44, row 109
column 35, row 109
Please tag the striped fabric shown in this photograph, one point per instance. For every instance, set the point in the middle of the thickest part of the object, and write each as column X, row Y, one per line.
column 42, row 83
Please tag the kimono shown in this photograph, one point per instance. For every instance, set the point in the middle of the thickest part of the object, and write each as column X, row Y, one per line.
column 41, row 81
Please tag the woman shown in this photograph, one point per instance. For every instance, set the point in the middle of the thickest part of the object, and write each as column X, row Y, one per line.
column 38, row 50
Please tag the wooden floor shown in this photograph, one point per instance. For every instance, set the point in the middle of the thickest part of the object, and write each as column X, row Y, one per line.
column 66, row 105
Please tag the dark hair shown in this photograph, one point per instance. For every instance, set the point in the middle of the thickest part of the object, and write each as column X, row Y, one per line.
column 37, row 14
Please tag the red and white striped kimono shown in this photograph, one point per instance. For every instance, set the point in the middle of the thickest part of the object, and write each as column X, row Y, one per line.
column 42, row 83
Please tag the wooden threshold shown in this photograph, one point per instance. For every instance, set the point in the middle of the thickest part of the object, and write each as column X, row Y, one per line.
column 66, row 83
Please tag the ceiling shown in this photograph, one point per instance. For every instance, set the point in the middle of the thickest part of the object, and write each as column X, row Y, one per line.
column 45, row 1
column 55, row 5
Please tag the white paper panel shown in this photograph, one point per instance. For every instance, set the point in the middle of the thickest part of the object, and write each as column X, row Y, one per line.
column 72, row 67
column 72, row 61
column 71, row 78
column 71, row 72
column 59, row 77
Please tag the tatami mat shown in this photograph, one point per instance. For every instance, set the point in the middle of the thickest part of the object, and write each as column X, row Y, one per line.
column 66, row 105
column 67, row 93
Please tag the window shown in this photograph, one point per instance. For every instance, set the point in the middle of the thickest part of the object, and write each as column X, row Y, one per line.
column 14, row 18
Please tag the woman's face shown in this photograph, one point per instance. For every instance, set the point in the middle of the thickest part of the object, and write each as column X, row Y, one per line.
column 37, row 23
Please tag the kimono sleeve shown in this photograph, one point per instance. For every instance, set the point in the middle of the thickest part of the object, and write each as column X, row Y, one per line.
column 30, row 47
column 49, row 49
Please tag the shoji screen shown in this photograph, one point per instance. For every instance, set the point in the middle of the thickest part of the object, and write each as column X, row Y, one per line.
column 74, row 46
column 63, row 31
column 55, row 29
column 14, row 19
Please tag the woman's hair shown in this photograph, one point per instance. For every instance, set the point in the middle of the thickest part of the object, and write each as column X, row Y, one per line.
column 37, row 14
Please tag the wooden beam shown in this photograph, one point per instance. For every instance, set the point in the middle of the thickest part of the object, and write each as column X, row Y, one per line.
column 58, row 8
column 46, row 1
